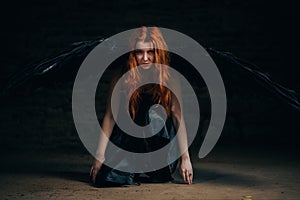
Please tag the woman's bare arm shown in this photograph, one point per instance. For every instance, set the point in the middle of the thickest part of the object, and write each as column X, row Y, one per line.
column 107, row 126
column 181, row 130
column 185, row 167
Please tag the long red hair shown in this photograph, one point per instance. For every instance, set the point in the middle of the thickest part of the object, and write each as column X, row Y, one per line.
column 160, row 94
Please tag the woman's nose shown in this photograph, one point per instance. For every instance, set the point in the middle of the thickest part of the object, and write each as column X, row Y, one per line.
column 145, row 56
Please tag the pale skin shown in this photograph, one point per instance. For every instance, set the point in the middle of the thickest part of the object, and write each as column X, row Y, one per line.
column 145, row 57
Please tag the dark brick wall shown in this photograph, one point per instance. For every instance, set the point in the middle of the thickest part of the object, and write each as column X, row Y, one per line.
column 263, row 32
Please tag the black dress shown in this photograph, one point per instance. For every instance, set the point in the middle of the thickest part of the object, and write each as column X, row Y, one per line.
column 108, row 177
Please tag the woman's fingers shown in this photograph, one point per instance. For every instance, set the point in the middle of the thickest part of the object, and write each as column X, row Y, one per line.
column 190, row 177
column 187, row 177
column 91, row 170
column 94, row 170
column 94, row 173
column 186, row 171
column 184, row 177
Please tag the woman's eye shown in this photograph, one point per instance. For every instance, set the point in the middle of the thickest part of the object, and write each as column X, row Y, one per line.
column 151, row 52
column 138, row 52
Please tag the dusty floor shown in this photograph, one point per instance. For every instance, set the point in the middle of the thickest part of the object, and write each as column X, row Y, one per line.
column 226, row 173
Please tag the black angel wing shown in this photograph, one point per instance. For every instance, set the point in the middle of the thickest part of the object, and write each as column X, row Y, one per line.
column 52, row 65
column 286, row 94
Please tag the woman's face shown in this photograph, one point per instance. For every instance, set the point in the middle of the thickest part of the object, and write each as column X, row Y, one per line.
column 144, row 54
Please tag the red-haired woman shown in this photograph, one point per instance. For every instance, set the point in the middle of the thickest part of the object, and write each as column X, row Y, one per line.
column 148, row 52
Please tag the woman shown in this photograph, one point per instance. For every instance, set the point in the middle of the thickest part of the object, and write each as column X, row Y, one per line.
column 147, row 52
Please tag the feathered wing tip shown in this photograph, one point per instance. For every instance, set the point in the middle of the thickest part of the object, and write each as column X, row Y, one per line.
column 288, row 95
column 47, row 65
column 83, row 48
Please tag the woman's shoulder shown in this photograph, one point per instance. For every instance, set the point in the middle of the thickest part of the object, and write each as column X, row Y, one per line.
column 174, row 82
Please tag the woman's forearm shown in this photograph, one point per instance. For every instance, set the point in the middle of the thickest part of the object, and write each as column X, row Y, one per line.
column 177, row 117
column 182, row 136
column 107, row 128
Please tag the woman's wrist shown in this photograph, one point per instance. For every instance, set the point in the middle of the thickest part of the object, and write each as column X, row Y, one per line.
column 100, row 157
column 185, row 156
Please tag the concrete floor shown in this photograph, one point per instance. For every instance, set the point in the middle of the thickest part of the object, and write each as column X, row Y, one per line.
column 226, row 173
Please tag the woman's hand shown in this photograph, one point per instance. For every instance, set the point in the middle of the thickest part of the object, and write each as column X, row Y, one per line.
column 97, row 164
column 186, row 170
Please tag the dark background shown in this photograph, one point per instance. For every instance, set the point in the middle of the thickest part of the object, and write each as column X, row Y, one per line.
column 262, row 32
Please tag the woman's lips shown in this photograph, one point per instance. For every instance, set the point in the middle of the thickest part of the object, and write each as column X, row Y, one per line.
column 146, row 65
